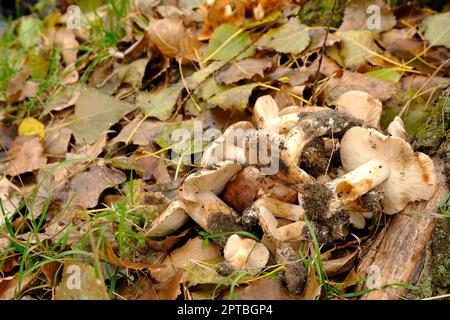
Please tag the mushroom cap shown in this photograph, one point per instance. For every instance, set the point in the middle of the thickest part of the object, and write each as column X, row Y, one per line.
column 412, row 176
column 228, row 145
column 397, row 128
column 171, row 219
column 361, row 105
column 265, row 111
column 257, row 256
column 212, row 179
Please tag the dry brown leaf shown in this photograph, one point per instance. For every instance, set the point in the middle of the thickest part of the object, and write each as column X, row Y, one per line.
column 15, row 86
column 25, row 155
column 80, row 282
column 9, row 286
column 380, row 89
column 357, row 17
column 10, row 200
column 152, row 166
column 49, row 270
column 86, row 187
column 339, row 265
column 66, row 41
column 57, row 138
column 172, row 38
column 264, row 289
column 167, row 243
column 29, row 90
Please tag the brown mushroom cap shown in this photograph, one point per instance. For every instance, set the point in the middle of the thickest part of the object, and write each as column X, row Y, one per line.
column 406, row 176
column 362, row 106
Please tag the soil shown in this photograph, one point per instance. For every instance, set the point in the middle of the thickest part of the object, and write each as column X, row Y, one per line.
column 294, row 273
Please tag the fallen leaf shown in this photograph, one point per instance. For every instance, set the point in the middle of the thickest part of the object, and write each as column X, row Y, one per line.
column 357, row 46
column 235, row 98
column 26, row 154
column 57, row 138
column 341, row 264
column 244, row 69
column 29, row 31
column 291, row 37
column 385, row 74
column 30, row 126
column 89, row 123
column 380, row 89
column 264, row 289
column 65, row 40
column 86, row 187
column 10, row 286
column 228, row 42
column 80, row 282
column 208, row 89
column 151, row 166
column 29, row 90
column 363, row 15
column 49, row 270
column 435, row 29
column 159, row 104
column 172, row 38
column 9, row 200
column 15, row 86
column 67, row 97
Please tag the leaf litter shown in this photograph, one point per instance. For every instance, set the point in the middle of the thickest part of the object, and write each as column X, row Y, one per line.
column 87, row 127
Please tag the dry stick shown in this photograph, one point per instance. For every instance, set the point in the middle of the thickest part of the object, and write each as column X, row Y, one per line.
column 322, row 51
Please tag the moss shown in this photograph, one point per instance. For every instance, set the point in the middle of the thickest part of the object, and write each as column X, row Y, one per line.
column 435, row 129
column 317, row 13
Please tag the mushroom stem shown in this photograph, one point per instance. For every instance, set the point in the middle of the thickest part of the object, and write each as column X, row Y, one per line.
column 292, row 231
column 240, row 257
column 281, row 209
column 358, row 182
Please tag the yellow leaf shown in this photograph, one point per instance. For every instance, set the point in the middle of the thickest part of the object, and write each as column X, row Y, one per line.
column 30, row 127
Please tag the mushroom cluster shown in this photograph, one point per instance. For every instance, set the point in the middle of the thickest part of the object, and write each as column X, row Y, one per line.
column 336, row 170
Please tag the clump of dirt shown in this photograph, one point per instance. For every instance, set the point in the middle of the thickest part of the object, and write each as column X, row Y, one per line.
column 315, row 199
column 314, row 159
column 222, row 222
column 294, row 273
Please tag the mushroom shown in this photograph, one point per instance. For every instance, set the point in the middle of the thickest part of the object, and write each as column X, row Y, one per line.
column 227, row 146
column 362, row 106
column 243, row 254
column 397, row 128
column 200, row 191
column 310, row 126
column 250, row 184
column 389, row 163
column 172, row 218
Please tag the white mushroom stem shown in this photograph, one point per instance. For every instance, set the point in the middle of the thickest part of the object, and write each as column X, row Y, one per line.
column 358, row 182
column 292, row 231
column 281, row 209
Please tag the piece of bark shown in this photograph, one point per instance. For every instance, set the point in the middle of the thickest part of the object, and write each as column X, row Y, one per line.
column 400, row 248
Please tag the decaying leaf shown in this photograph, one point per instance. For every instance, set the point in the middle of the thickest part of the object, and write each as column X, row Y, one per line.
column 15, row 86
column 10, row 201
column 339, row 265
column 380, row 89
column 291, row 37
column 374, row 15
column 172, row 38
column 357, row 47
column 80, row 282
column 65, row 40
column 235, row 98
column 57, row 138
column 86, row 187
column 152, row 166
column 26, row 154
column 160, row 103
column 228, row 42
column 90, row 122
column 264, row 289
column 436, row 31
column 244, row 69
column 11, row 287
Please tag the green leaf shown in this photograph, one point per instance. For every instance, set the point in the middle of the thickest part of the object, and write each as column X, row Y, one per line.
column 95, row 113
column 292, row 37
column 30, row 29
column 357, row 47
column 385, row 74
column 228, row 42
column 160, row 103
column 436, row 29
column 235, row 98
